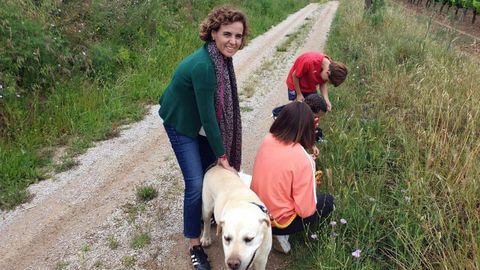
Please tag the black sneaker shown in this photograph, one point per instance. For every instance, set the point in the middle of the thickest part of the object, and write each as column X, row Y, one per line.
column 199, row 258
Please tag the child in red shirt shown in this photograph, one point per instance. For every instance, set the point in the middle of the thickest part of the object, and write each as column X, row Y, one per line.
column 312, row 69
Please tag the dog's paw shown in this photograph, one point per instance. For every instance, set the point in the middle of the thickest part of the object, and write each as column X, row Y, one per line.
column 206, row 241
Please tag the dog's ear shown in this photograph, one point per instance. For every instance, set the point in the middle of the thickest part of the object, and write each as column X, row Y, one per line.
column 267, row 222
column 219, row 227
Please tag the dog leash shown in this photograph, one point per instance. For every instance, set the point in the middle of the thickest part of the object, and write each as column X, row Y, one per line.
column 251, row 260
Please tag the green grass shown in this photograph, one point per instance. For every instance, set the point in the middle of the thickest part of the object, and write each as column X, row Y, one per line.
column 132, row 211
column 128, row 261
column 402, row 146
column 73, row 71
column 113, row 242
column 146, row 193
column 140, row 240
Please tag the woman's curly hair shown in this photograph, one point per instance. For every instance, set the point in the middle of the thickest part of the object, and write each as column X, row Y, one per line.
column 223, row 15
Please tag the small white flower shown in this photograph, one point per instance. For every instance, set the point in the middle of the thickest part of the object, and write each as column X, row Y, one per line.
column 79, row 30
column 84, row 53
column 1, row 86
column 407, row 199
column 333, row 223
column 371, row 199
column 357, row 253
column 343, row 221
column 314, row 236
column 1, row 96
column 18, row 95
column 52, row 25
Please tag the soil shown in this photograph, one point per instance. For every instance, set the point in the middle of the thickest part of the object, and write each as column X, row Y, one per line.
column 89, row 217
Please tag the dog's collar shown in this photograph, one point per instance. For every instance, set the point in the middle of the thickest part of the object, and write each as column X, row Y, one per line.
column 263, row 209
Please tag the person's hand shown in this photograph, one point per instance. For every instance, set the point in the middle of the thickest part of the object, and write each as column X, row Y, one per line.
column 315, row 152
column 223, row 161
column 329, row 105
column 300, row 98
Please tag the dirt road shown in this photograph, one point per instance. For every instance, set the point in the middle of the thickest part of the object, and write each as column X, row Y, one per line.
column 88, row 218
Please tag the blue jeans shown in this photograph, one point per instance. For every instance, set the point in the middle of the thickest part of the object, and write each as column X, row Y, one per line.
column 292, row 94
column 194, row 155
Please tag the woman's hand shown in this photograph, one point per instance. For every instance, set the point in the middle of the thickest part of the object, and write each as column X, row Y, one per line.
column 315, row 152
column 223, row 161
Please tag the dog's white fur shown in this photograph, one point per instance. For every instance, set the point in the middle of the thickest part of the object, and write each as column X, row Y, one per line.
column 245, row 228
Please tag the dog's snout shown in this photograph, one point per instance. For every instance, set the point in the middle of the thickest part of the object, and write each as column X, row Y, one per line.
column 233, row 263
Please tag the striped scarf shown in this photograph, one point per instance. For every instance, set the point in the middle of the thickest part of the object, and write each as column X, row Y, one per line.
column 227, row 106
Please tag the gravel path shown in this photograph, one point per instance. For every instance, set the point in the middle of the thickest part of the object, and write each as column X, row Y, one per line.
column 88, row 217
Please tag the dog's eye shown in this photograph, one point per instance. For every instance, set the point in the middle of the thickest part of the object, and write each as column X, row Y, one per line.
column 248, row 239
column 227, row 238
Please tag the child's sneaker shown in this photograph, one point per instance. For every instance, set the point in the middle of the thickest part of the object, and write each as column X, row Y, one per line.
column 281, row 244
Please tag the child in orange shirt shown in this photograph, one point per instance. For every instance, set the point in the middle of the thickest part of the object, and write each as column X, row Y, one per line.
column 288, row 188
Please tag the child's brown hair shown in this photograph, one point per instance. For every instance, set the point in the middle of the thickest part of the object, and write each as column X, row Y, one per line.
column 338, row 73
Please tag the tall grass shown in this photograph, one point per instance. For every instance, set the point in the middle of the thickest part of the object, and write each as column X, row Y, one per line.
column 403, row 148
column 71, row 72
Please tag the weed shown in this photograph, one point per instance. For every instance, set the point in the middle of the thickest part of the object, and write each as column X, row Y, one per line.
column 146, row 193
column 113, row 242
column 246, row 109
column 99, row 264
column 140, row 240
column 132, row 211
column 66, row 164
column 85, row 248
column 60, row 265
column 128, row 261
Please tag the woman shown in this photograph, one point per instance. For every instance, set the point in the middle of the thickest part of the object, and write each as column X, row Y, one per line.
column 283, row 174
column 201, row 114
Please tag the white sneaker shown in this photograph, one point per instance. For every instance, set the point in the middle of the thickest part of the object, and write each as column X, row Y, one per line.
column 281, row 244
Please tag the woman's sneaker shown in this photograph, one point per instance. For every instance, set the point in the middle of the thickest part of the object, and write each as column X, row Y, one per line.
column 281, row 244
column 199, row 258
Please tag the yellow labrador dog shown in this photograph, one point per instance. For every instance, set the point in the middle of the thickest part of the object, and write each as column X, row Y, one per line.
column 241, row 218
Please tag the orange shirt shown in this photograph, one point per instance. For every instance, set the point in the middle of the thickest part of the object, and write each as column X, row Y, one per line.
column 283, row 178
column 308, row 68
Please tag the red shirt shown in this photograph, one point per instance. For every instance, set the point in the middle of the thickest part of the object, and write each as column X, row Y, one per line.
column 308, row 68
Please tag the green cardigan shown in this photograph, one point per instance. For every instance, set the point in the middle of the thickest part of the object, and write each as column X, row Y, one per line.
column 187, row 103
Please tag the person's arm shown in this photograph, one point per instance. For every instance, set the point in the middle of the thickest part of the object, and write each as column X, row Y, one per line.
column 223, row 161
column 324, row 92
column 298, row 90
column 303, row 187
column 323, row 87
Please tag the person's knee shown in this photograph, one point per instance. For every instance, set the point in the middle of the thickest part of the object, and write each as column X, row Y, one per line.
column 326, row 205
column 193, row 192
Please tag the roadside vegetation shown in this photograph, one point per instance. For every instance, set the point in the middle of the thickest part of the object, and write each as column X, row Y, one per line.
column 74, row 72
column 402, row 155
